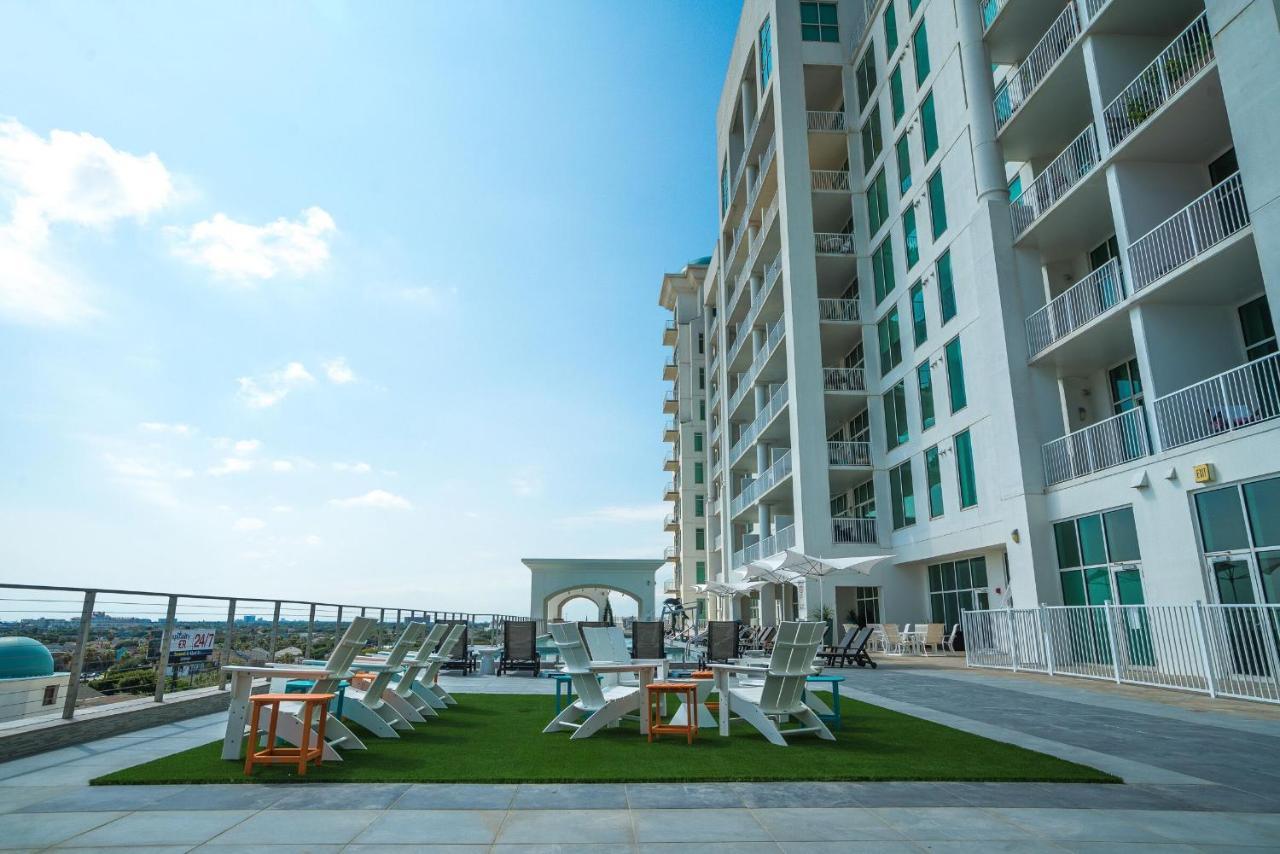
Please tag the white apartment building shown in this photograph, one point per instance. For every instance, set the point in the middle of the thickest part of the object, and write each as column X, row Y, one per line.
column 995, row 293
column 685, row 405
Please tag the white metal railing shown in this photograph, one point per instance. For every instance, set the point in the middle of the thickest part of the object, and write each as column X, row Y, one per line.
column 766, row 480
column 669, row 520
column 745, row 555
column 1167, row 74
column 1117, row 440
column 823, row 120
column 1232, row 400
column 670, row 396
column 849, row 454
column 671, row 488
column 1031, row 72
column 853, row 529
column 1198, row 227
column 743, row 330
column 715, row 395
column 766, row 414
column 670, row 427
column 838, row 309
column 715, row 432
column 1219, row 650
column 829, row 179
column 670, row 553
column 1091, row 8
column 833, row 243
column 844, row 379
column 989, row 9
column 716, row 542
column 1092, row 296
column 1077, row 160
column 779, row 541
column 745, row 380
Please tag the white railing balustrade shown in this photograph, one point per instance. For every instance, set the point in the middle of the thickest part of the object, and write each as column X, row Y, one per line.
column 779, row 541
column 766, row 159
column 1092, row 296
column 844, row 379
column 1115, row 441
column 773, row 337
column 849, row 454
column 670, row 553
column 829, row 179
column 1219, row 650
column 989, row 9
column 671, row 488
column 669, row 427
column 744, row 385
column 1076, row 161
column 1230, row 401
column 772, row 271
column 822, row 120
column 1090, row 9
column 1167, row 74
column 765, row 481
column 766, row 414
column 716, row 542
column 1195, row 229
column 670, row 520
column 1031, row 72
column 833, row 243
column 852, row 529
column 838, row 309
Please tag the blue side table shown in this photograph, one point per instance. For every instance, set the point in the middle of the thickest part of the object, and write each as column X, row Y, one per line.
column 302, row 686
column 834, row 682
column 564, row 689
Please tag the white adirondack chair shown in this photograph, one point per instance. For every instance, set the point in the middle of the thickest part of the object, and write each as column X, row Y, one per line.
column 781, row 694
column 377, row 708
column 599, row 706
column 609, row 643
column 425, row 685
column 403, row 685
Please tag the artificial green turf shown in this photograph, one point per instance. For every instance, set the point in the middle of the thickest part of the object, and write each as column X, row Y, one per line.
column 497, row 738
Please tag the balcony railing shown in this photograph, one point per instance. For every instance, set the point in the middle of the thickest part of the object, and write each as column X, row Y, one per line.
column 670, row 521
column 672, row 488
column 1115, row 441
column 989, row 9
column 832, row 122
column 838, row 309
column 849, row 454
column 1092, row 296
column 715, row 395
column 844, row 379
column 779, row 541
column 829, row 179
column 670, row 553
column 742, row 333
column 1167, row 74
column 833, row 243
column 766, row 159
column 670, row 427
column 1031, row 72
column 850, row 529
column 748, row 377
column 767, row 479
column 1195, row 229
column 1076, row 161
column 716, row 542
column 669, row 397
column 762, row 419
column 715, row 432
column 1232, row 400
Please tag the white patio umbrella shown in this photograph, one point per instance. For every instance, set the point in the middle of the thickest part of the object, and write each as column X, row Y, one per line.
column 800, row 565
column 765, row 570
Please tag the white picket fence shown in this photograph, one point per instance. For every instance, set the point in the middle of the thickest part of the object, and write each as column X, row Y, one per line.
column 1219, row 650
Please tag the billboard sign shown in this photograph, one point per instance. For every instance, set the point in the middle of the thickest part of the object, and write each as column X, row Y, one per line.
column 190, row 645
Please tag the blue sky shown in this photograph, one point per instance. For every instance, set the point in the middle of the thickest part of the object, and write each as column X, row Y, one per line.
column 358, row 299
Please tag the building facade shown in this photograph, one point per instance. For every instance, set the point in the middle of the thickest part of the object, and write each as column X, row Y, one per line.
column 994, row 293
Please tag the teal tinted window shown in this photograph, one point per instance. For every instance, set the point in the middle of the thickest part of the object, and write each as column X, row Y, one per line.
column 890, row 30
column 1258, row 330
column 920, row 48
column 1097, row 582
column 890, row 341
column 937, row 204
column 882, row 269
column 1093, row 549
column 1068, row 547
column 910, row 237
column 902, row 492
column 766, row 52
column 955, row 376
column 699, row 538
column 872, row 138
column 919, row 326
column 1073, row 588
column 865, row 76
column 877, row 202
column 698, row 473
column 700, row 573
column 1262, row 499
column 946, row 288
column 965, row 476
column 1222, row 520
column 978, row 566
column 897, row 101
column 925, row 380
column 933, row 476
column 818, row 22
column 912, row 6
column 928, row 127
column 1122, row 535
column 896, row 430
column 903, row 149
column 699, row 505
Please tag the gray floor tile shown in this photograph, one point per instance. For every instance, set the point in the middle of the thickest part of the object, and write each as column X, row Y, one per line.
column 213, row 848
column 951, row 824
column 799, row 824
column 854, row 847
column 1215, row 828
column 1064, row 796
column 572, row 796
column 340, row 796
column 14, row 798
column 725, row 825
column 1085, row 825
column 566, row 826
column 178, row 828
column 70, row 845
column 799, row 794
column 356, row 848
column 230, row 796
column 565, row 848
column 456, row 796
column 455, row 827
column 102, row 798
column 37, row 830
column 714, row 847
column 1219, row 798
column 684, row 796
column 299, row 827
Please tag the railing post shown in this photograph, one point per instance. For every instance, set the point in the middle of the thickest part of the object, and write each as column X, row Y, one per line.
column 1202, row 642
column 311, row 628
column 1013, row 641
column 166, row 640
column 77, row 660
column 1107, row 613
column 1048, row 639
column 275, row 629
column 226, row 644
column 337, row 627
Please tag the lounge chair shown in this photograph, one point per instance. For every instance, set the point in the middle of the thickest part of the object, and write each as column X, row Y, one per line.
column 520, row 647
column 377, row 708
column 460, row 655
column 426, row 686
column 781, row 694
column 934, row 637
column 403, row 685
column 950, row 643
column 595, row 706
column 840, row 652
column 647, row 641
column 858, row 652
column 892, row 641
column 722, row 640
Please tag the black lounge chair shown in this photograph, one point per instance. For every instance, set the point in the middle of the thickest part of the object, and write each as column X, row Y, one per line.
column 722, row 640
column 857, row 651
column 648, row 640
column 461, row 659
column 520, row 647
column 840, row 652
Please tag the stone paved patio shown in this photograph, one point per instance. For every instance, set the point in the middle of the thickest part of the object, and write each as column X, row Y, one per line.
column 1199, row 779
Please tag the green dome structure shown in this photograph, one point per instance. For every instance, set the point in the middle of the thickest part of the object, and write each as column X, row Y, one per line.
column 24, row 658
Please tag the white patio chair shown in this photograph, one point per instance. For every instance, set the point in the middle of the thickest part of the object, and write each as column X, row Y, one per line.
column 891, row 643
column 596, row 705
column 609, row 643
column 403, row 685
column 931, row 635
column 781, row 695
column 426, row 686
column 950, row 643
column 377, row 708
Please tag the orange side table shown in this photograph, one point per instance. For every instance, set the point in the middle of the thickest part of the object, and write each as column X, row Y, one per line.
column 657, row 690
column 273, row 755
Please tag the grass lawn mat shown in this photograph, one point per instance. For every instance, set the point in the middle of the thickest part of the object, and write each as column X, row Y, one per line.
column 497, row 738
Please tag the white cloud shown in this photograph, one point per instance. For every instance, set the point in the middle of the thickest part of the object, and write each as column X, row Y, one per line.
column 312, row 540
column 282, row 508
column 621, row 515
column 149, row 479
column 247, row 446
column 354, row 468
column 378, row 498
column 338, row 371
column 238, row 250
column 69, row 178
column 248, row 523
column 526, row 484
column 266, row 391
column 231, row 465
column 281, row 466
column 163, row 427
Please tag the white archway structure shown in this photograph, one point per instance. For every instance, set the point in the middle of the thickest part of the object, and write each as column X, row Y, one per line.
column 557, row 580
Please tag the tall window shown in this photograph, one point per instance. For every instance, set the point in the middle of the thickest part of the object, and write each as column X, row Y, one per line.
column 896, row 430
column 699, row 474
column 925, row 381
column 872, row 138
column 1098, row 558
column 902, row 495
column 1126, row 387
column 928, row 127
column 903, row 148
column 699, row 538
column 818, row 22
column 702, row 378
column 702, row 343
column 957, row 586
column 724, row 187
column 933, row 477
column 702, row 410
column 965, row 476
column 920, row 48
column 1240, row 530
column 866, row 600
column 697, row 441
column 882, row 269
column 937, row 204
column 877, row 202
column 766, row 52
column 865, row 76
column 890, row 341
column 955, row 376
column 50, row 695
column 1258, row 330
column 864, row 501
column 890, row 31
column 912, row 6
column 946, row 288
column 919, row 326
column 897, row 100
column 699, row 505
column 910, row 236
column 700, row 574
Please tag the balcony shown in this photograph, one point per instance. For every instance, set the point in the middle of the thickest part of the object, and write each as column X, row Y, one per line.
column 671, row 588
column 670, row 402
column 1057, row 179
column 1113, row 442
column 671, row 431
column 671, row 462
column 716, row 542
column 752, row 431
column 844, row 380
column 1233, row 400
column 715, row 432
column 1170, row 72
column 822, row 121
column 1026, row 77
column 670, row 553
column 715, row 395
column 671, row 492
column 670, row 371
column 850, row 529
column 767, row 547
column 669, row 333
column 671, row 522
column 1089, row 298
column 1188, row 234
column 742, row 334
column 849, row 454
column 829, row 181
column 833, row 243
column 745, row 381
column 767, row 480
column 838, row 311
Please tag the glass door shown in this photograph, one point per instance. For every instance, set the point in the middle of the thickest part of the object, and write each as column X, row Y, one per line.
column 1245, row 635
column 1134, row 621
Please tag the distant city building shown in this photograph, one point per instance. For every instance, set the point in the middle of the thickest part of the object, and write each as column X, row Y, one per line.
column 28, row 684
